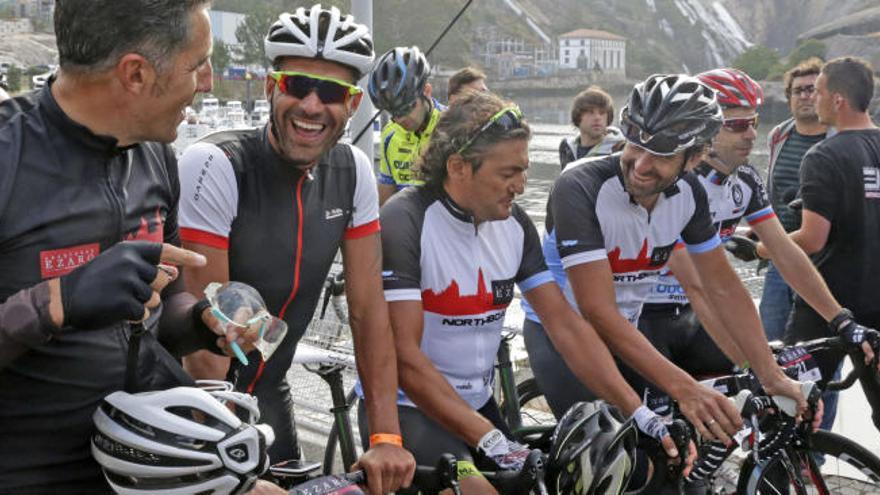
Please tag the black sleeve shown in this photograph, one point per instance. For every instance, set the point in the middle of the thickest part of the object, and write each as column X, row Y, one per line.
column 532, row 262
column 820, row 183
column 699, row 233
column 752, row 179
column 24, row 322
column 172, row 232
column 576, row 226
column 401, row 218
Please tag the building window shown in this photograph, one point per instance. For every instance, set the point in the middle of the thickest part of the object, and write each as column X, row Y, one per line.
column 566, row 42
column 566, row 60
column 583, row 42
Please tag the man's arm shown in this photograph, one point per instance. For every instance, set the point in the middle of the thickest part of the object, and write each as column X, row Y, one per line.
column 581, row 348
column 376, row 358
column 794, row 265
column 594, row 291
column 813, row 234
column 206, row 365
column 385, row 192
column 683, row 269
column 26, row 320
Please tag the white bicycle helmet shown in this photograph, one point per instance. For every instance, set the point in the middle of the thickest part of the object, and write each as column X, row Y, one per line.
column 321, row 33
column 179, row 442
column 592, row 452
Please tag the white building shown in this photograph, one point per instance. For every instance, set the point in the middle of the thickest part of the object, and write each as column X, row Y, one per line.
column 224, row 24
column 34, row 8
column 591, row 49
column 17, row 26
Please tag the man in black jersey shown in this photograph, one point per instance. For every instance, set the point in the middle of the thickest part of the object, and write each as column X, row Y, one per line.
column 271, row 207
column 840, row 226
column 82, row 169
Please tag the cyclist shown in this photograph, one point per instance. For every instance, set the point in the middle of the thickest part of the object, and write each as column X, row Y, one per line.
column 592, row 112
column 454, row 249
column 399, row 85
column 788, row 142
column 466, row 78
column 735, row 191
column 612, row 223
column 840, row 180
column 83, row 168
column 271, row 206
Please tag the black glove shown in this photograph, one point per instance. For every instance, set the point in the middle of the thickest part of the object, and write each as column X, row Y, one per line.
column 112, row 287
column 742, row 247
column 851, row 332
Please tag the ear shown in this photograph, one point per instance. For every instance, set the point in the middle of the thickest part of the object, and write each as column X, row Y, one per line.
column 354, row 102
column 457, row 168
column 270, row 85
column 428, row 90
column 135, row 73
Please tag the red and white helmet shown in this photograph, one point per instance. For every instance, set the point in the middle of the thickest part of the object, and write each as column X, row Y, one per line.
column 734, row 87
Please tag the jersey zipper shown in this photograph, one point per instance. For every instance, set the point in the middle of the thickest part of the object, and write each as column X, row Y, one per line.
column 296, row 270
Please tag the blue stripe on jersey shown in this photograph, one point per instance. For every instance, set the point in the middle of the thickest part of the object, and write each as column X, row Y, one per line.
column 702, row 247
column 535, row 280
column 384, row 179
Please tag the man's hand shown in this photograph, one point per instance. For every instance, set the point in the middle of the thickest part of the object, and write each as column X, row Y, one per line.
column 742, row 247
column 855, row 335
column 122, row 283
column 506, row 453
column 792, row 389
column 388, row 467
column 264, row 487
column 713, row 415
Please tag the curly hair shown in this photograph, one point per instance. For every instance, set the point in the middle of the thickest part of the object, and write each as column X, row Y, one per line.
column 458, row 124
column 809, row 67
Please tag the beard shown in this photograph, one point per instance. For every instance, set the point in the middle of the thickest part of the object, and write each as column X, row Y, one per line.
column 640, row 190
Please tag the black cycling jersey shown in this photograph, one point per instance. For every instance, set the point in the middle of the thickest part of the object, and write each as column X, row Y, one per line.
column 282, row 228
column 66, row 195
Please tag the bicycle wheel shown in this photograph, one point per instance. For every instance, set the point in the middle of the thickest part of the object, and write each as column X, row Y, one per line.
column 827, row 464
column 333, row 440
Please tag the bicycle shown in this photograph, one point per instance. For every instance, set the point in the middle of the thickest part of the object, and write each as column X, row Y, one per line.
column 784, row 456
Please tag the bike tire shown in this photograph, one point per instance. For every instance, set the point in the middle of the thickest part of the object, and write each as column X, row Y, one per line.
column 847, row 468
column 333, row 440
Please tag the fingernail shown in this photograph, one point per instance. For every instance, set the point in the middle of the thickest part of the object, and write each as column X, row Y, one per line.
column 674, row 453
column 200, row 259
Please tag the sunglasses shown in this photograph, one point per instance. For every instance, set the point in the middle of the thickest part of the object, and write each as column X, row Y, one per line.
column 740, row 125
column 301, row 84
column 803, row 90
column 661, row 144
column 507, row 119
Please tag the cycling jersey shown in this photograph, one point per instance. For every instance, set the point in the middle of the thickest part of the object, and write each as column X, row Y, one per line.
column 731, row 197
column 400, row 148
column 281, row 227
column 591, row 217
column 66, row 195
column 464, row 275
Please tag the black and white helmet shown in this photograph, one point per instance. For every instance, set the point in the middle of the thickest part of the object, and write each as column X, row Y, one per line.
column 398, row 80
column 667, row 114
column 592, row 452
column 180, row 441
column 321, row 33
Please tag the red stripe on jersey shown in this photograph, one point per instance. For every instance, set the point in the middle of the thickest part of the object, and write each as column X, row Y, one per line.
column 362, row 230
column 205, row 238
column 449, row 302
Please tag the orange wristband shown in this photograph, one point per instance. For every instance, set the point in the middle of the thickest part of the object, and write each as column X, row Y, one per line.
column 378, row 438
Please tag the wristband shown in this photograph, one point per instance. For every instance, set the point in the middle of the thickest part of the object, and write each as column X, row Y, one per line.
column 837, row 322
column 391, row 438
column 197, row 310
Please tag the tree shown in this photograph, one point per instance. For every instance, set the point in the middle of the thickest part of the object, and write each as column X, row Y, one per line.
column 251, row 32
column 757, row 61
column 221, row 57
column 807, row 49
column 13, row 78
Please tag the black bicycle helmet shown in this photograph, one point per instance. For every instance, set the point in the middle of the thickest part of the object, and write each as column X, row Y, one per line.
column 592, row 452
column 667, row 114
column 321, row 33
column 398, row 80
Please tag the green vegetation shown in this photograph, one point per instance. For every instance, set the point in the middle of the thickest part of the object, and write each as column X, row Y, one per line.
column 13, row 78
column 757, row 61
column 221, row 57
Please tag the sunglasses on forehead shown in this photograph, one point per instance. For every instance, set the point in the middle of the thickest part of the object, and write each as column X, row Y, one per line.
column 740, row 125
column 507, row 119
column 301, row 84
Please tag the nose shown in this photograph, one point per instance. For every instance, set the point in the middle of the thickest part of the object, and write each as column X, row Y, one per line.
column 751, row 133
column 644, row 163
column 205, row 78
column 519, row 184
column 311, row 103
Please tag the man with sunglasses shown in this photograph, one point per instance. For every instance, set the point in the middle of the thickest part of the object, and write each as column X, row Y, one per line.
column 271, row 207
column 453, row 251
column 789, row 141
column 612, row 225
column 399, row 85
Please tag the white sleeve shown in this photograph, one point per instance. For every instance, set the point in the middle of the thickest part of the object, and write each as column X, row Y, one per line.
column 208, row 195
column 365, row 217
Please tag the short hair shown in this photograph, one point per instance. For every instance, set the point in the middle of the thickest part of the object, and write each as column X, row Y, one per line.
column 458, row 124
column 808, row 67
column 92, row 35
column 592, row 97
column 852, row 77
column 461, row 78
